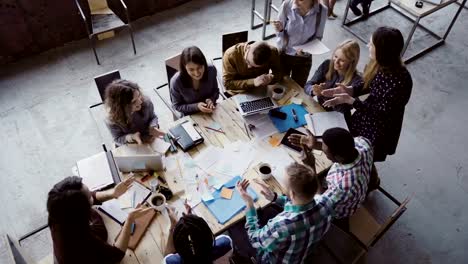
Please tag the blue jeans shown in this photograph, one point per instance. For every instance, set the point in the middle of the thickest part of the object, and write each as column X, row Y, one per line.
column 222, row 245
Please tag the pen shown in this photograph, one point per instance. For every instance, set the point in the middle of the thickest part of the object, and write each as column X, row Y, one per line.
column 133, row 199
column 294, row 115
column 214, row 129
column 132, row 229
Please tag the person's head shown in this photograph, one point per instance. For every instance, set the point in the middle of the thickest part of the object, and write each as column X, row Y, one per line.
column 338, row 145
column 122, row 99
column 305, row 4
column 385, row 47
column 344, row 60
column 257, row 54
column 193, row 66
column 193, row 239
column 69, row 205
column 302, row 183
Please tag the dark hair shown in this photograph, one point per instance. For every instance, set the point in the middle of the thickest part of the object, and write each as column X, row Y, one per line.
column 195, row 55
column 302, row 180
column 119, row 96
column 193, row 240
column 261, row 53
column 69, row 208
column 388, row 44
column 339, row 142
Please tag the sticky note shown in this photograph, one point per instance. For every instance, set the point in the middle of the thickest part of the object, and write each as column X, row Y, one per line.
column 274, row 141
column 226, row 193
column 207, row 196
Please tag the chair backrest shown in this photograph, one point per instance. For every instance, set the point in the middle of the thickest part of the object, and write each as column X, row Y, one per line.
column 232, row 39
column 105, row 79
column 172, row 67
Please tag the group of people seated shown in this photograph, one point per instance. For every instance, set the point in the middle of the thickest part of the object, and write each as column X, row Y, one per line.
column 288, row 231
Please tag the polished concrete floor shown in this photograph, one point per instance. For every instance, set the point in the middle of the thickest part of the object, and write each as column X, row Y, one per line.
column 46, row 125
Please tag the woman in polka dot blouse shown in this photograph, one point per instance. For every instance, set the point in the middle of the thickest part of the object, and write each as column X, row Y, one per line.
column 379, row 118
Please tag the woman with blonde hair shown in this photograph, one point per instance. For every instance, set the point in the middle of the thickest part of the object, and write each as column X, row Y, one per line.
column 130, row 114
column 379, row 118
column 339, row 71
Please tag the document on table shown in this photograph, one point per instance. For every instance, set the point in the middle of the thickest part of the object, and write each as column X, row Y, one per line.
column 95, row 171
column 314, row 47
column 160, row 146
column 263, row 126
column 318, row 123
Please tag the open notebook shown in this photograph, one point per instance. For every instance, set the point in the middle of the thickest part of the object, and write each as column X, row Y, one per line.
column 318, row 123
column 99, row 171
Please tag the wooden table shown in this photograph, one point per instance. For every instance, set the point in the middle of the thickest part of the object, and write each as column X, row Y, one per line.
column 152, row 246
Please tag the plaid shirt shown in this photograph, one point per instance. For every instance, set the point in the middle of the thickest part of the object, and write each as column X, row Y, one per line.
column 347, row 183
column 288, row 237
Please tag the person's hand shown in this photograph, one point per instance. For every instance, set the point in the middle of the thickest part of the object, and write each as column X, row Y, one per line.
column 156, row 132
column 307, row 157
column 122, row 187
column 266, row 190
column 188, row 208
column 210, row 104
column 343, row 98
column 318, row 89
column 277, row 25
column 298, row 140
column 268, row 78
column 203, row 107
column 260, row 80
column 137, row 213
column 134, row 138
column 339, row 89
column 172, row 216
column 242, row 188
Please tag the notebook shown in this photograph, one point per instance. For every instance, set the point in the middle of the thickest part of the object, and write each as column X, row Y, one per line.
column 318, row 123
column 289, row 122
column 98, row 171
column 112, row 208
column 225, row 209
column 185, row 135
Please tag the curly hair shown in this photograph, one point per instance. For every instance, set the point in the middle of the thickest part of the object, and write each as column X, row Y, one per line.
column 118, row 100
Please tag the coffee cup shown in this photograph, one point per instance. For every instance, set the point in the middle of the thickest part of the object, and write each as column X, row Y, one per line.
column 157, row 201
column 264, row 170
column 278, row 92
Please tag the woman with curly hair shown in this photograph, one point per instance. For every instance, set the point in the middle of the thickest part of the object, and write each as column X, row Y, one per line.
column 131, row 117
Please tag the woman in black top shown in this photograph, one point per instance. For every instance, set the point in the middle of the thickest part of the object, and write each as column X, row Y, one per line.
column 379, row 118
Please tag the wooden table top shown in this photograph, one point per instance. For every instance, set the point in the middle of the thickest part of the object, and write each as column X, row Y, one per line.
column 152, row 245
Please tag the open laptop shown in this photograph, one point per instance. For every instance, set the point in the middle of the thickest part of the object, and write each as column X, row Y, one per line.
column 134, row 158
column 253, row 102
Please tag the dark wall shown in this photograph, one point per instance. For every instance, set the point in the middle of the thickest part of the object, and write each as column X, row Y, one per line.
column 32, row 26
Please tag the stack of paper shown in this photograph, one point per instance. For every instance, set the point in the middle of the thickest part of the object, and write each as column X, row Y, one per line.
column 95, row 171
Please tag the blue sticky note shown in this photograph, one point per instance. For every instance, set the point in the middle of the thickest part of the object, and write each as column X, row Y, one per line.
column 289, row 122
column 225, row 209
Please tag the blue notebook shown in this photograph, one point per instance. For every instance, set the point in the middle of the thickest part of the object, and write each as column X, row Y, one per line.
column 285, row 125
column 224, row 209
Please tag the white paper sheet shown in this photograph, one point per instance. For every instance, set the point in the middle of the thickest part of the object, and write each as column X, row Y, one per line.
column 264, row 127
column 160, row 146
column 95, row 171
column 318, row 123
column 314, row 47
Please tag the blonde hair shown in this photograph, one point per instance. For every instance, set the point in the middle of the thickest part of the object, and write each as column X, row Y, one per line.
column 351, row 51
column 370, row 71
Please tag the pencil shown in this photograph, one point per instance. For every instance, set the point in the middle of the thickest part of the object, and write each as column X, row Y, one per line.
column 214, row 129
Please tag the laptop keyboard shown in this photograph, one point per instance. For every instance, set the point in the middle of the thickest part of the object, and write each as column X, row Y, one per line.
column 256, row 105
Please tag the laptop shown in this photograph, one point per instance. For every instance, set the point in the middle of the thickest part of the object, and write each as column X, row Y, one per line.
column 254, row 102
column 135, row 158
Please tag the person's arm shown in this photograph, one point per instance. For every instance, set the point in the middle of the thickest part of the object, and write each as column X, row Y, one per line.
column 152, row 116
column 357, row 84
column 266, row 238
column 118, row 134
column 281, row 37
column 114, row 193
column 178, row 102
column 124, row 237
column 170, row 248
column 230, row 78
column 275, row 66
column 317, row 78
column 281, row 200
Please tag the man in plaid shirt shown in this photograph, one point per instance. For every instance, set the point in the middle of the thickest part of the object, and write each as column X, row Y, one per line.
column 289, row 237
column 347, row 180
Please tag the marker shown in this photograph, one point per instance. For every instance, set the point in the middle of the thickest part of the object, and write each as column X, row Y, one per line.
column 214, row 129
column 132, row 229
column 294, row 115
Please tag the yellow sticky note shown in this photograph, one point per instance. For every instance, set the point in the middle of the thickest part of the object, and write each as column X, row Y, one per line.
column 226, row 193
column 274, row 141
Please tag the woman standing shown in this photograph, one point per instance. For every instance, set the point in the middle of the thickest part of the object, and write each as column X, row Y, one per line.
column 340, row 71
column 299, row 22
column 194, row 88
column 131, row 117
column 379, row 118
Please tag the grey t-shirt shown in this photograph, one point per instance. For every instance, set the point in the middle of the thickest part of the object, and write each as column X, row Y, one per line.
column 185, row 99
column 139, row 121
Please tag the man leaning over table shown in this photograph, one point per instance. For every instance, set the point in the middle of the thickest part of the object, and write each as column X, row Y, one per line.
column 290, row 236
column 247, row 66
column 348, row 180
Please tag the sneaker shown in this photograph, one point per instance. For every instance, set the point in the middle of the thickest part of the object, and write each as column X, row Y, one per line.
column 334, row 15
column 331, row 17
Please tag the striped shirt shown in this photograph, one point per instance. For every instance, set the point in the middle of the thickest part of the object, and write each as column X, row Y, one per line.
column 289, row 237
column 347, row 183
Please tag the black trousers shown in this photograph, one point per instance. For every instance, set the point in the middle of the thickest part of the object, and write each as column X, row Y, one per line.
column 298, row 67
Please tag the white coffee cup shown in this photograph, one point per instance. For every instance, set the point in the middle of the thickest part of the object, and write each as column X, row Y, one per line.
column 157, row 201
column 264, row 170
column 278, row 92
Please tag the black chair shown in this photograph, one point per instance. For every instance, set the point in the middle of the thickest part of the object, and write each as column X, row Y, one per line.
column 101, row 23
column 172, row 67
column 102, row 81
column 228, row 40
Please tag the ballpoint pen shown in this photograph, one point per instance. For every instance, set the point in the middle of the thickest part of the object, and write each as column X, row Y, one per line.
column 294, row 115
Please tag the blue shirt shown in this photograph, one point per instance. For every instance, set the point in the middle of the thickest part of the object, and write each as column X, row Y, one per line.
column 222, row 245
column 298, row 29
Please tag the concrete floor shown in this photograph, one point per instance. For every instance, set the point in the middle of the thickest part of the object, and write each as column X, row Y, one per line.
column 46, row 125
